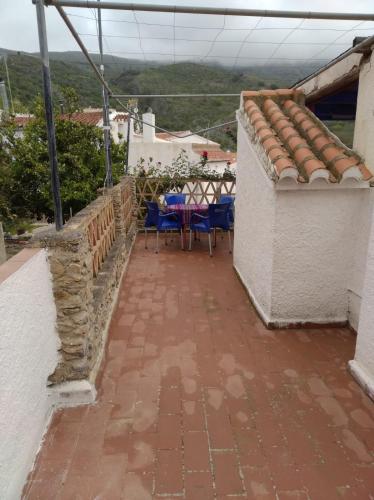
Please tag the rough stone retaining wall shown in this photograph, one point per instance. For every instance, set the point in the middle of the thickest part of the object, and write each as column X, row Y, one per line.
column 87, row 259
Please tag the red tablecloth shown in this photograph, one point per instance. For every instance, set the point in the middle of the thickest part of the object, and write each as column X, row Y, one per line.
column 185, row 211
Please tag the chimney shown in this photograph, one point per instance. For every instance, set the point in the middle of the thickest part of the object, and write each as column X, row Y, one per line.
column 148, row 131
column 4, row 97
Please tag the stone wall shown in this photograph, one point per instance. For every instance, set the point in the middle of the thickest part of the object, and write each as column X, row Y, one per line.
column 87, row 259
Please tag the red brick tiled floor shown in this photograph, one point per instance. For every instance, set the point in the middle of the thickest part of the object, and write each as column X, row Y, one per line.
column 197, row 400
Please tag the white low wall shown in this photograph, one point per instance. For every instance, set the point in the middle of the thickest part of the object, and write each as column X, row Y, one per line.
column 361, row 232
column 28, row 355
column 254, row 226
column 363, row 364
column 313, row 254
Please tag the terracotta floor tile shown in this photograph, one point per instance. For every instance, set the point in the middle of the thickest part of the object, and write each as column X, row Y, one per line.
column 169, row 432
column 199, row 486
column 220, row 432
column 188, row 358
column 196, row 451
column 193, row 416
column 170, row 400
column 169, row 477
column 258, row 483
column 226, row 473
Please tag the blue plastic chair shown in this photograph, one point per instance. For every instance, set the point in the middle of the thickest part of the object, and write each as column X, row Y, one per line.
column 218, row 217
column 151, row 219
column 226, row 198
column 175, row 198
column 162, row 221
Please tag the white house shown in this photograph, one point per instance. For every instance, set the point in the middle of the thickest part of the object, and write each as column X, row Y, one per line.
column 163, row 147
column 304, row 239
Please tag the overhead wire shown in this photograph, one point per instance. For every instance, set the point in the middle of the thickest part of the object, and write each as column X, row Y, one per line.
column 208, row 55
column 215, row 40
column 265, row 28
column 245, row 40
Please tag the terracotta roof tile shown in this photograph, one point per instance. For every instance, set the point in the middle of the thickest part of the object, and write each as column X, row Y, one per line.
column 22, row 121
column 295, row 141
column 85, row 117
column 120, row 117
column 366, row 174
column 167, row 137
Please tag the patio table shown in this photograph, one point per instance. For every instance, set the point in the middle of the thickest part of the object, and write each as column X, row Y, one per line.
column 185, row 211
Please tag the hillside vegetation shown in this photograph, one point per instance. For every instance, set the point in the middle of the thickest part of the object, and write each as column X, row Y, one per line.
column 70, row 69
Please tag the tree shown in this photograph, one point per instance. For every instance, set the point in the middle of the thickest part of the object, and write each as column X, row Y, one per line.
column 80, row 152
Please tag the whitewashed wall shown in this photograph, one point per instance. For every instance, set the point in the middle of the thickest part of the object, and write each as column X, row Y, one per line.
column 28, row 355
column 363, row 140
column 313, row 253
column 363, row 364
column 254, row 225
column 361, row 232
column 298, row 249
column 163, row 152
column 364, row 143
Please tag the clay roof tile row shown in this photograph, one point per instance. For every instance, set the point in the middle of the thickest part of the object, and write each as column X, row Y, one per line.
column 295, row 141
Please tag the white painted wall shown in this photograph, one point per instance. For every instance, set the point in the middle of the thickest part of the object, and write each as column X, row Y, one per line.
column 363, row 140
column 363, row 364
column 164, row 152
column 313, row 253
column 254, row 225
column 336, row 72
column 149, row 131
column 296, row 246
column 363, row 143
column 361, row 232
column 28, row 355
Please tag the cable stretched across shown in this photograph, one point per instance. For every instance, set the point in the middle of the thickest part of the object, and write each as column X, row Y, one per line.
column 119, row 102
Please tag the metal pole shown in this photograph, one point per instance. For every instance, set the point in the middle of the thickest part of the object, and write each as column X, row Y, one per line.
column 128, row 144
column 220, row 11
column 4, row 97
column 106, row 120
column 8, row 79
column 51, row 134
column 186, row 96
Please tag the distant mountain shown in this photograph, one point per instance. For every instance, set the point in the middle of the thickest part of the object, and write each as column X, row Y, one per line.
column 128, row 76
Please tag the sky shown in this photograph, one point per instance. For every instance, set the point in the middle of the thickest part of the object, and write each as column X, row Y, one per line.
column 169, row 37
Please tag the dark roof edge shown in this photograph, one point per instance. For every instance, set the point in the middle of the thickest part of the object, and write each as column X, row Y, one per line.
column 357, row 48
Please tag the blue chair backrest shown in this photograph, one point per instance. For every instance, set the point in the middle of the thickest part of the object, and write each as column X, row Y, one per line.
column 225, row 198
column 219, row 215
column 152, row 214
column 175, row 198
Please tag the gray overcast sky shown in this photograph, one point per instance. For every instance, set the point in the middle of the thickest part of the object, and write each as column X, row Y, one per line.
column 204, row 38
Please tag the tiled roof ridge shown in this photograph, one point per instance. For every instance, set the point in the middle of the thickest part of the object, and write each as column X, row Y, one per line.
column 366, row 174
column 324, row 147
column 308, row 165
column 296, row 143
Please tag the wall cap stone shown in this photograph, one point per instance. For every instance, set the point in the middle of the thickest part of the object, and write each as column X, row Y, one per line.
column 72, row 393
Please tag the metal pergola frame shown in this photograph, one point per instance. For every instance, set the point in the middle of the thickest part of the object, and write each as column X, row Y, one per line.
column 129, row 6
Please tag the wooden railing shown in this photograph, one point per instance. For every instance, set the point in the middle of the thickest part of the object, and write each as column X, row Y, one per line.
column 197, row 191
column 101, row 233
